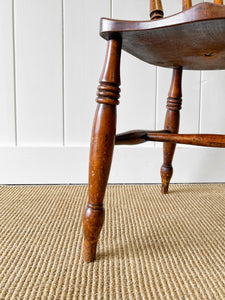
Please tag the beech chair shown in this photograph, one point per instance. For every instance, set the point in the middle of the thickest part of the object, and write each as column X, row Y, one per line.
column 193, row 39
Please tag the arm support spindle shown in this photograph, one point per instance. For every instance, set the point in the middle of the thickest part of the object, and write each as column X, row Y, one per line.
column 187, row 4
column 156, row 10
column 218, row 2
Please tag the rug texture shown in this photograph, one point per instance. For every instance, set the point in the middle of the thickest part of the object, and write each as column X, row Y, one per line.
column 152, row 246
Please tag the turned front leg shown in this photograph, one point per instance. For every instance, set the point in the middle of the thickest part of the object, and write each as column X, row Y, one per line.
column 171, row 124
column 102, row 144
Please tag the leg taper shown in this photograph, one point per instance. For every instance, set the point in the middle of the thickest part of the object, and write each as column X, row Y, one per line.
column 93, row 219
column 171, row 124
column 100, row 161
column 102, row 144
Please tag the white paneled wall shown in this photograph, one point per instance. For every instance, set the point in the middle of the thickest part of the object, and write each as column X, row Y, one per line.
column 38, row 76
column 50, row 60
column 7, row 94
column 84, row 52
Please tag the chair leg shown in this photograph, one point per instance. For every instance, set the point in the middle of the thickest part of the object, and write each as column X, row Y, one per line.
column 102, row 144
column 172, row 124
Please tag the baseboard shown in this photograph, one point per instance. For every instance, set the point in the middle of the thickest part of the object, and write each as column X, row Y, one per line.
column 131, row 164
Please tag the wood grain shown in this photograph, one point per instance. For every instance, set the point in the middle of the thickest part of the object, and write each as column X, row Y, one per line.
column 195, row 25
column 141, row 136
column 218, row 2
column 156, row 10
column 102, row 144
column 172, row 121
column 135, row 137
column 196, row 50
column 187, row 4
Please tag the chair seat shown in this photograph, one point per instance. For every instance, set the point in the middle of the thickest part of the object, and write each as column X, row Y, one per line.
column 193, row 39
column 197, row 37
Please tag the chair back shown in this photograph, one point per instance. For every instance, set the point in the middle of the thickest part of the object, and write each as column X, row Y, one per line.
column 156, row 9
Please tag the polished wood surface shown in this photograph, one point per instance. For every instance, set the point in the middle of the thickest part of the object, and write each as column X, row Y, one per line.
column 187, row 4
column 172, row 121
column 196, row 36
column 102, row 144
column 218, row 2
column 193, row 39
column 156, row 9
column 135, row 137
column 141, row 136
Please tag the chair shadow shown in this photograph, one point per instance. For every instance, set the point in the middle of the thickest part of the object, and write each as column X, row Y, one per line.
column 134, row 247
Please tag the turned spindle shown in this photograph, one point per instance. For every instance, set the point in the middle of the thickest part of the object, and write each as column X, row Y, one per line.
column 102, row 144
column 187, row 4
column 218, row 2
column 156, row 10
column 172, row 120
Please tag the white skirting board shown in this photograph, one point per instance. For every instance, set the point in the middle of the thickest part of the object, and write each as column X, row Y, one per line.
column 131, row 164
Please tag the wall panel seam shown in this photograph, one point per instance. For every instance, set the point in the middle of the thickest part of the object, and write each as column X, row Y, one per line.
column 200, row 103
column 156, row 99
column 63, row 74
column 14, row 71
column 111, row 8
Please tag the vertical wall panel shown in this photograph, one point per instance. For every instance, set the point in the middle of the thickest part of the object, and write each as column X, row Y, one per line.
column 189, row 122
column 58, row 60
column 138, row 88
column 84, row 57
column 130, row 9
column 213, row 104
column 7, row 120
column 211, row 118
column 38, row 36
column 189, row 114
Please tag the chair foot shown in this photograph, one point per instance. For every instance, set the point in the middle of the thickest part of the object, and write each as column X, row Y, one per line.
column 93, row 219
column 166, row 175
column 89, row 251
column 164, row 188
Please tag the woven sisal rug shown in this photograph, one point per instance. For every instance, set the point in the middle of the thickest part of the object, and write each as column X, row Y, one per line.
column 152, row 246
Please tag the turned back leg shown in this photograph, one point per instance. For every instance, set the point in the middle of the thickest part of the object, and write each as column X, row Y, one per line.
column 171, row 124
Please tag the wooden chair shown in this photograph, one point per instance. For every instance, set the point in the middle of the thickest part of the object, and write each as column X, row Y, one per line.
column 193, row 39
